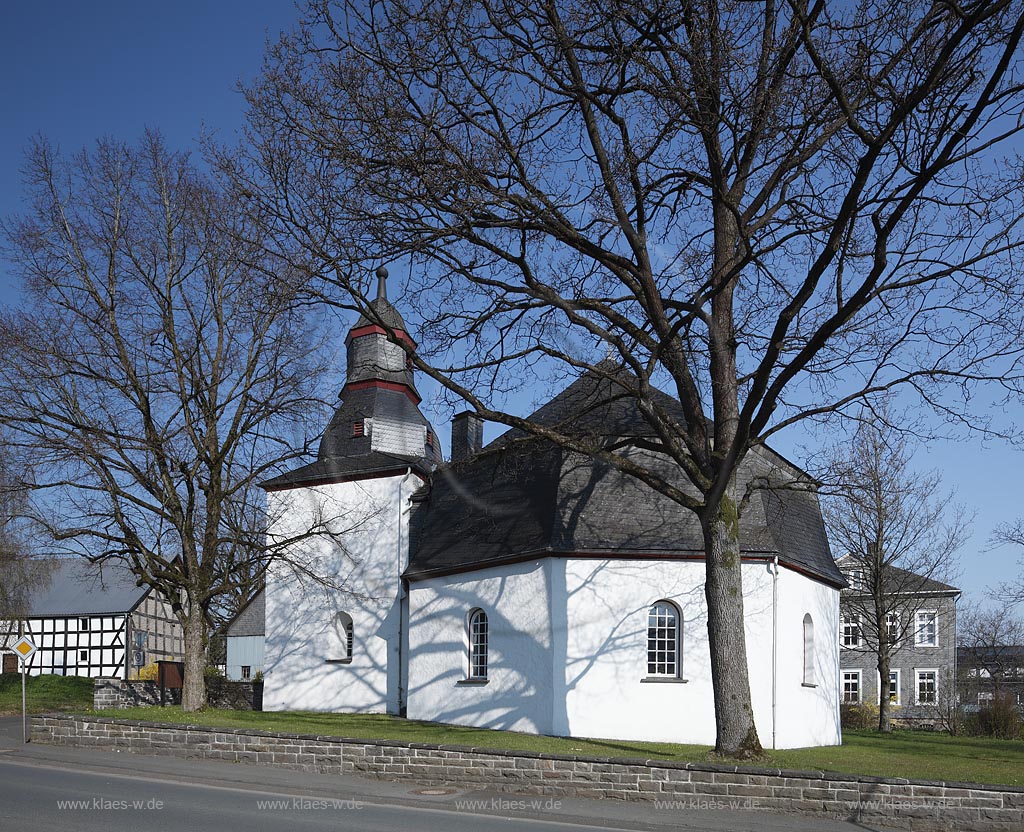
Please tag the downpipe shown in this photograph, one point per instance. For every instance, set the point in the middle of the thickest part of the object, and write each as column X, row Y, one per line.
column 775, row 639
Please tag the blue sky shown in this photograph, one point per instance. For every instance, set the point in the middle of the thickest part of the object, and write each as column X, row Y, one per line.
column 75, row 71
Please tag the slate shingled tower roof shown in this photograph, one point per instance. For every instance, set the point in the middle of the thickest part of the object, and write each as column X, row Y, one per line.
column 523, row 498
column 378, row 428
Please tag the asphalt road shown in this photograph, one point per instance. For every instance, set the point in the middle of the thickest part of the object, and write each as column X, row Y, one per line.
column 52, row 788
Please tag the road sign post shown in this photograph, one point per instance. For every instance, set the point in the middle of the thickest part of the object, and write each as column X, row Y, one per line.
column 24, row 647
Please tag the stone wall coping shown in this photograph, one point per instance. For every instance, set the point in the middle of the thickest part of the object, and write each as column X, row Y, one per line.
column 811, row 774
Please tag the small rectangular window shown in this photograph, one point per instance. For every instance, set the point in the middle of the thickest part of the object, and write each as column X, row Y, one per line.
column 83, row 624
column 892, row 628
column 927, row 629
column 851, row 631
column 83, row 656
column 851, row 686
column 246, row 672
column 358, row 429
column 927, row 687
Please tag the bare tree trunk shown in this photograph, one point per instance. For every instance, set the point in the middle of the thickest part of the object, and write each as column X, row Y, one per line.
column 734, row 713
column 193, row 694
column 884, row 703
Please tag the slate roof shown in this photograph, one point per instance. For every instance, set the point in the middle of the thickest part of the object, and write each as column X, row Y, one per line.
column 387, row 314
column 77, row 587
column 524, row 497
column 251, row 619
column 342, row 455
column 999, row 656
column 901, row 579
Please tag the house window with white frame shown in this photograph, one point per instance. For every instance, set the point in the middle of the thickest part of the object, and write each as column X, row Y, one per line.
column 892, row 628
column 478, row 644
column 850, row 635
column 663, row 640
column 927, row 630
column 893, row 688
column 927, row 687
column 851, row 687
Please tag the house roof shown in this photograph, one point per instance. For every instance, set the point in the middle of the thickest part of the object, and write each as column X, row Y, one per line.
column 251, row 619
column 78, row 587
column 900, row 580
column 1000, row 655
column 524, row 497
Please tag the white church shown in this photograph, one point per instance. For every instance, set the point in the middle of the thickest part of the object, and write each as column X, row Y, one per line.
column 524, row 587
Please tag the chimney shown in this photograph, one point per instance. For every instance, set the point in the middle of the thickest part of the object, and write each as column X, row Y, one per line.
column 467, row 436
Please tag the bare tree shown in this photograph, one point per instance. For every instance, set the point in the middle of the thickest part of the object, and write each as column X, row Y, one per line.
column 19, row 573
column 991, row 642
column 899, row 535
column 771, row 210
column 156, row 375
column 1011, row 534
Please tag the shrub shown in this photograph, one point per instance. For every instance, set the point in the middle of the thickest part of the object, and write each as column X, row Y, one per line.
column 1000, row 718
column 858, row 716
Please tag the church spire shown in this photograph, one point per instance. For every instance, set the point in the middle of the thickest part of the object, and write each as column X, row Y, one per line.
column 374, row 359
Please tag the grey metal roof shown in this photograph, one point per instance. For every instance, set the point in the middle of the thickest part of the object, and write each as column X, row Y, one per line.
column 529, row 497
column 78, row 587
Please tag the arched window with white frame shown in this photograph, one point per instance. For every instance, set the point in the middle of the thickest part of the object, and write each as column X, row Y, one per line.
column 808, row 650
column 664, row 639
column 478, row 644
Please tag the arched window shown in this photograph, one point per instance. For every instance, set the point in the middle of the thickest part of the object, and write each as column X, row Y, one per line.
column 663, row 640
column 343, row 638
column 477, row 625
column 808, row 649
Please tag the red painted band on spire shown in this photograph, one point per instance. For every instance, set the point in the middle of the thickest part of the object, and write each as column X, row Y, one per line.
column 373, row 329
column 384, row 385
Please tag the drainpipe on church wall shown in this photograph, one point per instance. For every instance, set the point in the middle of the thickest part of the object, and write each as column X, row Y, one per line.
column 403, row 601
column 775, row 635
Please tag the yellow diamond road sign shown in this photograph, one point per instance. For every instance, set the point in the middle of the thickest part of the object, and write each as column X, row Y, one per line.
column 24, row 648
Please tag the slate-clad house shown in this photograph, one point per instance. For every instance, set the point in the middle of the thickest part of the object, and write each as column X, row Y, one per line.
column 90, row 620
column 923, row 663
column 246, row 635
column 530, row 588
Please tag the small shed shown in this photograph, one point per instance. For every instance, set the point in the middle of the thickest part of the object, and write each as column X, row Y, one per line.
column 246, row 637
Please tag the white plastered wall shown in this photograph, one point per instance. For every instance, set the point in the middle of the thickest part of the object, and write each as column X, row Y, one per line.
column 568, row 652
column 517, row 696
column 366, row 554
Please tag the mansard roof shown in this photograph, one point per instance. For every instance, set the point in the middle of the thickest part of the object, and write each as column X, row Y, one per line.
column 522, row 498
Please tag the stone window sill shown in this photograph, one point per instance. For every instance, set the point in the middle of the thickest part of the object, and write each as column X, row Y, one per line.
column 338, row 661
column 472, row 682
column 663, row 680
column 808, row 685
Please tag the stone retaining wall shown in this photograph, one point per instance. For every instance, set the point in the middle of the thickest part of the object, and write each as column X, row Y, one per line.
column 678, row 787
column 115, row 694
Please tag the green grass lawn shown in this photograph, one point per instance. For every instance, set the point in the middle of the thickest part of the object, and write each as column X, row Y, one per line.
column 912, row 754
column 45, row 693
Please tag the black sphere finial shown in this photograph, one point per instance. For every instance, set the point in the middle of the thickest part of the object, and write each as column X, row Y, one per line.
column 382, row 279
